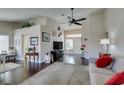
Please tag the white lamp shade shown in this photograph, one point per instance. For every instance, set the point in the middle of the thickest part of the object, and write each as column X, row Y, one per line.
column 105, row 41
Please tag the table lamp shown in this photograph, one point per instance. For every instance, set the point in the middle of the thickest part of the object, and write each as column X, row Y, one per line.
column 105, row 42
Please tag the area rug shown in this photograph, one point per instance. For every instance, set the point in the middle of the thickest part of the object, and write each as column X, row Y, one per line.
column 60, row 74
column 8, row 67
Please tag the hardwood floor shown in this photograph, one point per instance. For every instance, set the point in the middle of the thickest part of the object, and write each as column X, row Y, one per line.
column 18, row 75
column 72, row 59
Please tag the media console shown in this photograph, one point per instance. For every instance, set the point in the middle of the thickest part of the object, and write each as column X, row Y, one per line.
column 57, row 55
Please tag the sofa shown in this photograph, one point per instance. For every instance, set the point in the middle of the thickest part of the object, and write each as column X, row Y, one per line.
column 98, row 76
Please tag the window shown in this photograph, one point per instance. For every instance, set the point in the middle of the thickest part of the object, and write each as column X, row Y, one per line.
column 73, row 35
column 69, row 44
column 4, row 43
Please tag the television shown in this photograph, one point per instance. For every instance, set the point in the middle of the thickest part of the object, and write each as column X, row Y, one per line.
column 57, row 45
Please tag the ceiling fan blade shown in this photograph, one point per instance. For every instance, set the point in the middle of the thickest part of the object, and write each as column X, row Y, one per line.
column 77, row 23
column 81, row 19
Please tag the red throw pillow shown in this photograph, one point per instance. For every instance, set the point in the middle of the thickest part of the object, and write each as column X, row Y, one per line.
column 117, row 79
column 103, row 61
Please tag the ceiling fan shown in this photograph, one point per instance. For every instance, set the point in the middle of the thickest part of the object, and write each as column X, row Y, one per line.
column 72, row 20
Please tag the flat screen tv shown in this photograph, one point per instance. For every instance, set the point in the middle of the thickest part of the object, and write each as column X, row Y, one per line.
column 57, row 45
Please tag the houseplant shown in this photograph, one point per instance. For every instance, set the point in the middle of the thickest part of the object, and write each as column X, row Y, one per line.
column 26, row 24
column 82, row 47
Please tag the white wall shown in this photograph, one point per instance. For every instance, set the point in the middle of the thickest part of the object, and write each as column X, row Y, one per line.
column 114, row 23
column 96, row 32
column 85, row 35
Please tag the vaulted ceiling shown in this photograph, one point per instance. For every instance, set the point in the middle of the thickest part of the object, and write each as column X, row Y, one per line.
column 60, row 14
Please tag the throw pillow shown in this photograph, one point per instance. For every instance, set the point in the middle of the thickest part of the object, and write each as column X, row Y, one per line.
column 111, row 64
column 103, row 61
column 117, row 79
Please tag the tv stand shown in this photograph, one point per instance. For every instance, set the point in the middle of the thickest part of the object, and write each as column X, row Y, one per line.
column 57, row 55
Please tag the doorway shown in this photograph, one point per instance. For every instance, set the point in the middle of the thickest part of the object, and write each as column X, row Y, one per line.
column 73, row 44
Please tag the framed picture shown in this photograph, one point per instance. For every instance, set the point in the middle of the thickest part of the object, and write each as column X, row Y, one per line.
column 17, row 42
column 33, row 40
column 45, row 37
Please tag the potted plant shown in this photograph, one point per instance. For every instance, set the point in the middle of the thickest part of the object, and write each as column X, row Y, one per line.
column 26, row 24
column 82, row 47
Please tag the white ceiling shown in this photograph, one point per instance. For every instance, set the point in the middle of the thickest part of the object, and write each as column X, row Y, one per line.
column 20, row 14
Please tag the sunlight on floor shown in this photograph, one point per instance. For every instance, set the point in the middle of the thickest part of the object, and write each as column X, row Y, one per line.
column 70, row 59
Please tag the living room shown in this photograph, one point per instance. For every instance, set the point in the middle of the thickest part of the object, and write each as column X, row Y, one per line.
column 102, row 33
column 37, row 42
